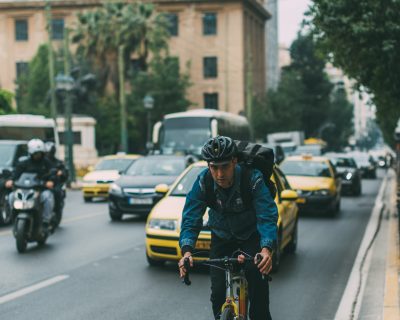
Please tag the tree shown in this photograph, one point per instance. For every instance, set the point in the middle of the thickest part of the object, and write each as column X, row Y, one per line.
column 361, row 37
column 33, row 88
column 340, row 117
column 166, row 85
column 5, row 101
column 135, row 26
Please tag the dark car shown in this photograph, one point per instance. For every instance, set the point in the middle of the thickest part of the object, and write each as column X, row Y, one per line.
column 366, row 164
column 134, row 192
column 10, row 153
column 347, row 169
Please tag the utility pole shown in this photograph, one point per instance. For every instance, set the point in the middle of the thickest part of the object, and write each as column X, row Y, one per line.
column 69, row 136
column 53, row 103
column 249, row 85
column 122, row 99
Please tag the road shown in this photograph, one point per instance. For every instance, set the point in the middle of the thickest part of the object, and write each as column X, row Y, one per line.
column 94, row 269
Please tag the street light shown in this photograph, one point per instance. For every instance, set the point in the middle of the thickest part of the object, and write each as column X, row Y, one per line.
column 148, row 103
column 67, row 83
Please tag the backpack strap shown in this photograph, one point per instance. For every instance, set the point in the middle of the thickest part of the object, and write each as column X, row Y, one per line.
column 211, row 199
column 245, row 187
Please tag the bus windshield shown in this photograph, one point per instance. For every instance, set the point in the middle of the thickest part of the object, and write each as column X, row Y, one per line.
column 6, row 155
column 185, row 134
column 26, row 133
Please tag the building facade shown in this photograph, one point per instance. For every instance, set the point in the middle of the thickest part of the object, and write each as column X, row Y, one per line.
column 272, row 46
column 222, row 42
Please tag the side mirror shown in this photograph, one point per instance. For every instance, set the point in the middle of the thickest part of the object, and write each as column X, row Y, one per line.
column 289, row 195
column 162, row 189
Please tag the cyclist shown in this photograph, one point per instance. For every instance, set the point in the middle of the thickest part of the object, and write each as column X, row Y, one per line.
column 233, row 225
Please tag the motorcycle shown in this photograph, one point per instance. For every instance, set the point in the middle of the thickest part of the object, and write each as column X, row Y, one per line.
column 5, row 212
column 27, row 211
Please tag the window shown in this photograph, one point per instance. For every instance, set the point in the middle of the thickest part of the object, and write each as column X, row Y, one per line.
column 57, row 28
column 173, row 22
column 77, row 137
column 209, row 23
column 210, row 68
column 22, row 68
column 21, row 30
column 211, row 101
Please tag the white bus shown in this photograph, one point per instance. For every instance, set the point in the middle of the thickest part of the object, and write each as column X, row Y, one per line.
column 186, row 132
column 26, row 126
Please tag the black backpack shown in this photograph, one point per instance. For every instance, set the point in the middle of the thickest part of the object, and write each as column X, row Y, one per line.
column 250, row 156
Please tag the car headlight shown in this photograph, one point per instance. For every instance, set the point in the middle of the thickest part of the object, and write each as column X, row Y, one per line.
column 115, row 189
column 163, row 224
column 349, row 175
column 322, row 192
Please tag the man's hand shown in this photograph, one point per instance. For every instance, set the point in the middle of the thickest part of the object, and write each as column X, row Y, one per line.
column 9, row 184
column 265, row 265
column 49, row 184
column 182, row 270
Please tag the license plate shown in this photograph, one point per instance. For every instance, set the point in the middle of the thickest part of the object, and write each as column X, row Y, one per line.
column 140, row 200
column 301, row 200
column 203, row 245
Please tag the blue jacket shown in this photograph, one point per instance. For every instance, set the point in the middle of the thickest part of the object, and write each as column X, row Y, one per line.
column 231, row 219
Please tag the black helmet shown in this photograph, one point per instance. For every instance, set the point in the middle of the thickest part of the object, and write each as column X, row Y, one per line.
column 219, row 149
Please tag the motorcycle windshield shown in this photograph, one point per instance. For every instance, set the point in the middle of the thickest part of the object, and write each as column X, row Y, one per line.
column 28, row 180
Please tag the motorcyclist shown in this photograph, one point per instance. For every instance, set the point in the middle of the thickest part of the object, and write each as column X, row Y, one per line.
column 37, row 163
column 61, row 175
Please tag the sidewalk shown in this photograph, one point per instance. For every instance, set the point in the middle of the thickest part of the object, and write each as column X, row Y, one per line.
column 381, row 296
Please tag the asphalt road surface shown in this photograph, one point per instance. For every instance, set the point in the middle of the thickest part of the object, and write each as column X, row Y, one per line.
column 94, row 269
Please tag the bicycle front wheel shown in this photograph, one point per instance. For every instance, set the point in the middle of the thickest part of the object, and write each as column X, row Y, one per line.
column 227, row 314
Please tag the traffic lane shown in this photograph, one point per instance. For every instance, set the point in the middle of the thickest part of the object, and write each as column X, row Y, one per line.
column 119, row 287
column 309, row 285
column 85, row 235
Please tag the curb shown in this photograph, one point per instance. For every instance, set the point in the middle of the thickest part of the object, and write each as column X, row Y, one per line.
column 391, row 302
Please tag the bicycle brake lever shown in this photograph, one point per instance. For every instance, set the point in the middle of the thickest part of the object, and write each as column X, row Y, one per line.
column 186, row 280
column 265, row 277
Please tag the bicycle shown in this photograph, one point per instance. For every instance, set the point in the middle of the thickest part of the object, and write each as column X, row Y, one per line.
column 236, row 302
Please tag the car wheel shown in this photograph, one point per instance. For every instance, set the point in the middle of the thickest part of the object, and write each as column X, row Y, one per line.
column 87, row 199
column 276, row 256
column 292, row 245
column 153, row 262
column 115, row 215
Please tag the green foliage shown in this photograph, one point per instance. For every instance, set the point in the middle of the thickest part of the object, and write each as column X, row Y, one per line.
column 33, row 88
column 362, row 39
column 100, row 33
column 304, row 100
column 168, row 88
column 5, row 101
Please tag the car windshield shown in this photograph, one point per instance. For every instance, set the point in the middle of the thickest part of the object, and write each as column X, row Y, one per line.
column 306, row 168
column 157, row 166
column 313, row 150
column 114, row 164
column 344, row 162
column 6, row 155
column 186, row 183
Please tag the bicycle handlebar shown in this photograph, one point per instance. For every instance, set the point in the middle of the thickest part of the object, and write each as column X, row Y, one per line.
column 224, row 261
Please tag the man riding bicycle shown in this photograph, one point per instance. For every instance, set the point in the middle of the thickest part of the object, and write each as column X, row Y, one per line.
column 234, row 225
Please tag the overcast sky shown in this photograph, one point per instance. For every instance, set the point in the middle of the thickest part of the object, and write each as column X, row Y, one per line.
column 291, row 13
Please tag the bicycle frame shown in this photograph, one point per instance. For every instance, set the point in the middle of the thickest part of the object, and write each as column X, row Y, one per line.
column 237, row 299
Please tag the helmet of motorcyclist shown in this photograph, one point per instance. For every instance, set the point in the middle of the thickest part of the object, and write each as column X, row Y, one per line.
column 219, row 150
column 50, row 148
column 35, row 146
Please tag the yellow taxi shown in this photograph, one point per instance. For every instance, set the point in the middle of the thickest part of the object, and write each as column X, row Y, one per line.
column 316, row 182
column 164, row 221
column 108, row 169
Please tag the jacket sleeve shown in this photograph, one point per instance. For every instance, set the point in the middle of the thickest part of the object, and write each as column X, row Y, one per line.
column 192, row 216
column 266, row 211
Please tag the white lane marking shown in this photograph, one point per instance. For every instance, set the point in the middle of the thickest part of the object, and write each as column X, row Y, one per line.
column 87, row 216
column 33, row 288
column 349, row 308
